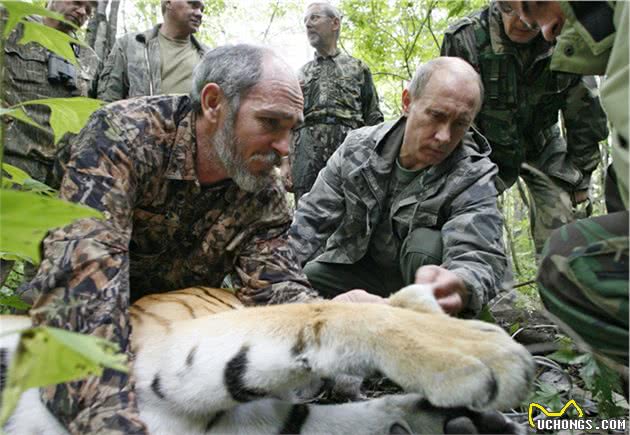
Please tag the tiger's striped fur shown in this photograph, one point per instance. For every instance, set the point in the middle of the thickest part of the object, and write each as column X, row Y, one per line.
column 204, row 364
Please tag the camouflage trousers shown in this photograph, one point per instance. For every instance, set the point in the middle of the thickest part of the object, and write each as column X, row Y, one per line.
column 583, row 282
column 551, row 207
column 312, row 147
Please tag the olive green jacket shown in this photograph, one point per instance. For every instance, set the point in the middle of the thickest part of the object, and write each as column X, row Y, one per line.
column 133, row 66
column 599, row 45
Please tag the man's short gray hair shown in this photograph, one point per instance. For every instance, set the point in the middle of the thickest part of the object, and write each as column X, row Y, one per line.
column 330, row 11
column 235, row 68
column 424, row 73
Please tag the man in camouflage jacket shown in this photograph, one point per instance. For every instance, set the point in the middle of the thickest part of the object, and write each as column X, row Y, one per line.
column 32, row 72
column 583, row 276
column 339, row 95
column 189, row 196
column 134, row 66
column 520, row 114
column 362, row 226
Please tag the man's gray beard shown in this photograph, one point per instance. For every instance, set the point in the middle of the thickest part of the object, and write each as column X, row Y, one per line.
column 226, row 147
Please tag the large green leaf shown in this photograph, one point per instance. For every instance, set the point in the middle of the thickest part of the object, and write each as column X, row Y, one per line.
column 48, row 356
column 52, row 39
column 17, row 177
column 19, row 113
column 18, row 10
column 67, row 114
column 25, row 217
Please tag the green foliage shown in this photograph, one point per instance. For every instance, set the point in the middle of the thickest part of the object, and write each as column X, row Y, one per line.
column 67, row 114
column 16, row 178
column 54, row 40
column 13, row 301
column 394, row 37
column 47, row 356
column 596, row 376
column 27, row 216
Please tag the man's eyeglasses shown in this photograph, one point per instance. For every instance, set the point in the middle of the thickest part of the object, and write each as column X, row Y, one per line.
column 313, row 18
column 508, row 10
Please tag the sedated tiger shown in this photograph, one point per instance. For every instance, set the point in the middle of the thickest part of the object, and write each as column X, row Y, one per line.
column 205, row 364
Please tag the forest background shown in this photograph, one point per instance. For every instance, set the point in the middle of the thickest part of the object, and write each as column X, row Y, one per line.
column 392, row 37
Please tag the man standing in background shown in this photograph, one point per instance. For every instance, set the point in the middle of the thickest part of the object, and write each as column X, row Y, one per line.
column 339, row 95
column 157, row 61
column 32, row 72
column 519, row 116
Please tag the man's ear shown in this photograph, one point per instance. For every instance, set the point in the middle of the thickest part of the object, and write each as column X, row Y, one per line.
column 406, row 101
column 212, row 101
column 336, row 24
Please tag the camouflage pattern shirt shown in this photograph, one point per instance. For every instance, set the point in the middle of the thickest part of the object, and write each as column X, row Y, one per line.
column 341, row 87
column 133, row 67
column 457, row 197
column 135, row 161
column 26, row 78
column 522, row 98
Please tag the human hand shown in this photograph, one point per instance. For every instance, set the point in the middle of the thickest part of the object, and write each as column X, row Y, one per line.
column 448, row 288
column 580, row 196
column 360, row 296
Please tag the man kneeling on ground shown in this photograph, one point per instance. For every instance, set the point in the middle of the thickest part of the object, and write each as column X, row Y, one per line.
column 410, row 200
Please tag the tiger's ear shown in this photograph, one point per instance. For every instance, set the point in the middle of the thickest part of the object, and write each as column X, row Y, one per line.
column 416, row 297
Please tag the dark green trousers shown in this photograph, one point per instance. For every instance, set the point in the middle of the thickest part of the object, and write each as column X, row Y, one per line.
column 422, row 246
column 583, row 281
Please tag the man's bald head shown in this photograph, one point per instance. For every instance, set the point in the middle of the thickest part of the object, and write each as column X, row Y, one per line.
column 453, row 70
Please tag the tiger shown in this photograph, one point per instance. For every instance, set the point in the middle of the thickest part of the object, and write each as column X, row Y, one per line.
column 204, row 363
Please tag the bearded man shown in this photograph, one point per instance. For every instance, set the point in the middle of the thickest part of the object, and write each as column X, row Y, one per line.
column 189, row 195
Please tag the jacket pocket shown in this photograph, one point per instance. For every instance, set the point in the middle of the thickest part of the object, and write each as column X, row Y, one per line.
column 26, row 64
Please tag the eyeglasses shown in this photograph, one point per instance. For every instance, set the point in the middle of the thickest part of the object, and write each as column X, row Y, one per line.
column 508, row 10
column 313, row 18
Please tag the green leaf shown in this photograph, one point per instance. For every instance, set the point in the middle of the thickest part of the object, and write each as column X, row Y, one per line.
column 26, row 217
column 19, row 10
column 68, row 114
column 486, row 315
column 515, row 327
column 14, row 301
column 17, row 175
column 21, row 178
column 48, row 356
column 53, row 39
column 19, row 113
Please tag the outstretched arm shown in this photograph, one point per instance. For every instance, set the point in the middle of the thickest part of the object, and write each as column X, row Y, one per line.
column 83, row 280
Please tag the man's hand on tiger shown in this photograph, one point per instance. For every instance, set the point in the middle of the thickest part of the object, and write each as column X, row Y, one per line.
column 448, row 288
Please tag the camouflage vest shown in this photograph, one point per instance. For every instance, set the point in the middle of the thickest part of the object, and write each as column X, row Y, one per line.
column 520, row 104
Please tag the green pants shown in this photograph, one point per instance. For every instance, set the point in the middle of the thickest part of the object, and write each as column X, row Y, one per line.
column 422, row 246
column 583, row 281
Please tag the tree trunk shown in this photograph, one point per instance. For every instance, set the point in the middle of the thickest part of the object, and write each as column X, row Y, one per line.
column 101, row 32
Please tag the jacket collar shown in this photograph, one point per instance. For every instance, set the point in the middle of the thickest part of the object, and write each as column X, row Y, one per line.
column 148, row 35
column 318, row 56
column 377, row 168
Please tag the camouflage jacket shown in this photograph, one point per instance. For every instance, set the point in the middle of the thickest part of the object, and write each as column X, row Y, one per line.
column 458, row 196
column 341, row 87
column 133, row 68
column 599, row 45
column 135, row 161
column 522, row 98
column 26, row 78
